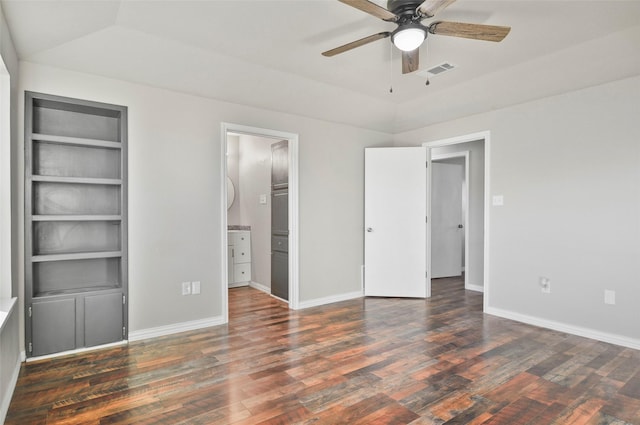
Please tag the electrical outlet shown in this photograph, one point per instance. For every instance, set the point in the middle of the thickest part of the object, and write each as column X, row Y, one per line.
column 195, row 287
column 545, row 285
column 609, row 297
column 186, row 288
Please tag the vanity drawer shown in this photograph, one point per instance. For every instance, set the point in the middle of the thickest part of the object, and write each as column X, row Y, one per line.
column 241, row 241
column 242, row 272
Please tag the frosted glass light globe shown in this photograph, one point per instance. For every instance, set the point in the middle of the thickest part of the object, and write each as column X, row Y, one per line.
column 409, row 39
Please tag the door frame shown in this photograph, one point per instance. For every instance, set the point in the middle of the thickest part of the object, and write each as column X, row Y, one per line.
column 484, row 136
column 292, row 138
column 465, row 217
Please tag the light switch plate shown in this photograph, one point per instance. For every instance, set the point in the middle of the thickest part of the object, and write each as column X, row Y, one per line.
column 498, row 200
column 263, row 199
column 186, row 288
column 609, row 297
column 195, row 287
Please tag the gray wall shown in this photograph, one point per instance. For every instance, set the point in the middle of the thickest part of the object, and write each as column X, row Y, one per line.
column 475, row 184
column 174, row 193
column 255, row 180
column 568, row 167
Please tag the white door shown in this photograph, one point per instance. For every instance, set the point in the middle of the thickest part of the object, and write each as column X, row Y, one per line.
column 395, row 210
column 446, row 223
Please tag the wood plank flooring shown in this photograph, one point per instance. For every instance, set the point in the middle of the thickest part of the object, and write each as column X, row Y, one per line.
column 364, row 361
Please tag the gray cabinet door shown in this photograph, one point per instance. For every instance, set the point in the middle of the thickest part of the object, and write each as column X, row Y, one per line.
column 280, row 165
column 280, row 213
column 280, row 220
column 53, row 326
column 102, row 319
column 280, row 274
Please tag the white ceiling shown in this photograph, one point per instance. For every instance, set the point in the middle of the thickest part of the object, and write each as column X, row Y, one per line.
column 266, row 53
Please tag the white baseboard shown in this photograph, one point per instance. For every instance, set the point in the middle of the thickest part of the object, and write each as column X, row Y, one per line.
column 175, row 328
column 329, row 300
column 477, row 288
column 260, row 287
column 6, row 397
column 566, row 328
column 77, row 351
column 238, row 284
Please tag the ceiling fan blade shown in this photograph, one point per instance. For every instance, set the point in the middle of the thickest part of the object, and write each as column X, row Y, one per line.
column 473, row 31
column 372, row 9
column 429, row 8
column 410, row 61
column 356, row 43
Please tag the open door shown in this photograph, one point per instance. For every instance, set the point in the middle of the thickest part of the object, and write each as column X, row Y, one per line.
column 446, row 219
column 395, row 210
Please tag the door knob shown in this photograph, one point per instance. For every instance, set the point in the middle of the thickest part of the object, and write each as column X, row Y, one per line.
column 369, row 229
column 459, row 226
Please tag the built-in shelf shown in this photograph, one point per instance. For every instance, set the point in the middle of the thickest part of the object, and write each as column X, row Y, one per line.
column 77, row 290
column 75, row 223
column 81, row 180
column 75, row 256
column 76, row 141
column 83, row 217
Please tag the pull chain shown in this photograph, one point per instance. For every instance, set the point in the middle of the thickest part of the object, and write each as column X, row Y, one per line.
column 426, row 50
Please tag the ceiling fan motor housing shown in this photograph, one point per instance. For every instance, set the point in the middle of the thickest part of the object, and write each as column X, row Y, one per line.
column 405, row 10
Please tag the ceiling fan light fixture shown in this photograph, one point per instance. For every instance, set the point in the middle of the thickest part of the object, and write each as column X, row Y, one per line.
column 409, row 38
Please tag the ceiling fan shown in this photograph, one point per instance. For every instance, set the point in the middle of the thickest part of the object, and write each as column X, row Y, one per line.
column 410, row 33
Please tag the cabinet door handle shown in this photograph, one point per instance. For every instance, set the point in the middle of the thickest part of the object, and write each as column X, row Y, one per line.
column 233, row 252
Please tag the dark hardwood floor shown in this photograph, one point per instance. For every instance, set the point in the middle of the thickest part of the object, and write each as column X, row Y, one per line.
column 365, row 361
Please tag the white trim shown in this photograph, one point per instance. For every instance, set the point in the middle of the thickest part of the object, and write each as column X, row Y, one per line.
column 260, row 287
column 566, row 328
column 238, row 284
column 6, row 308
column 471, row 287
column 6, row 398
column 486, row 137
column 175, row 328
column 224, row 248
column 331, row 299
column 77, row 351
column 5, row 182
column 292, row 138
column 465, row 155
column 278, row 298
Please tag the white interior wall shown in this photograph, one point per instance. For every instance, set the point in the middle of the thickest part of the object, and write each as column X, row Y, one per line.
column 255, row 180
column 174, row 191
column 233, row 172
column 9, row 261
column 475, row 268
column 568, row 167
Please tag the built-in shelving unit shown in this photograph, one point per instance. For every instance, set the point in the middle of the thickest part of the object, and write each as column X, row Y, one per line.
column 75, row 223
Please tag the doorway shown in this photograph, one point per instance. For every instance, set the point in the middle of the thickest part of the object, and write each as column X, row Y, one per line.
column 474, row 148
column 262, row 198
column 449, row 214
